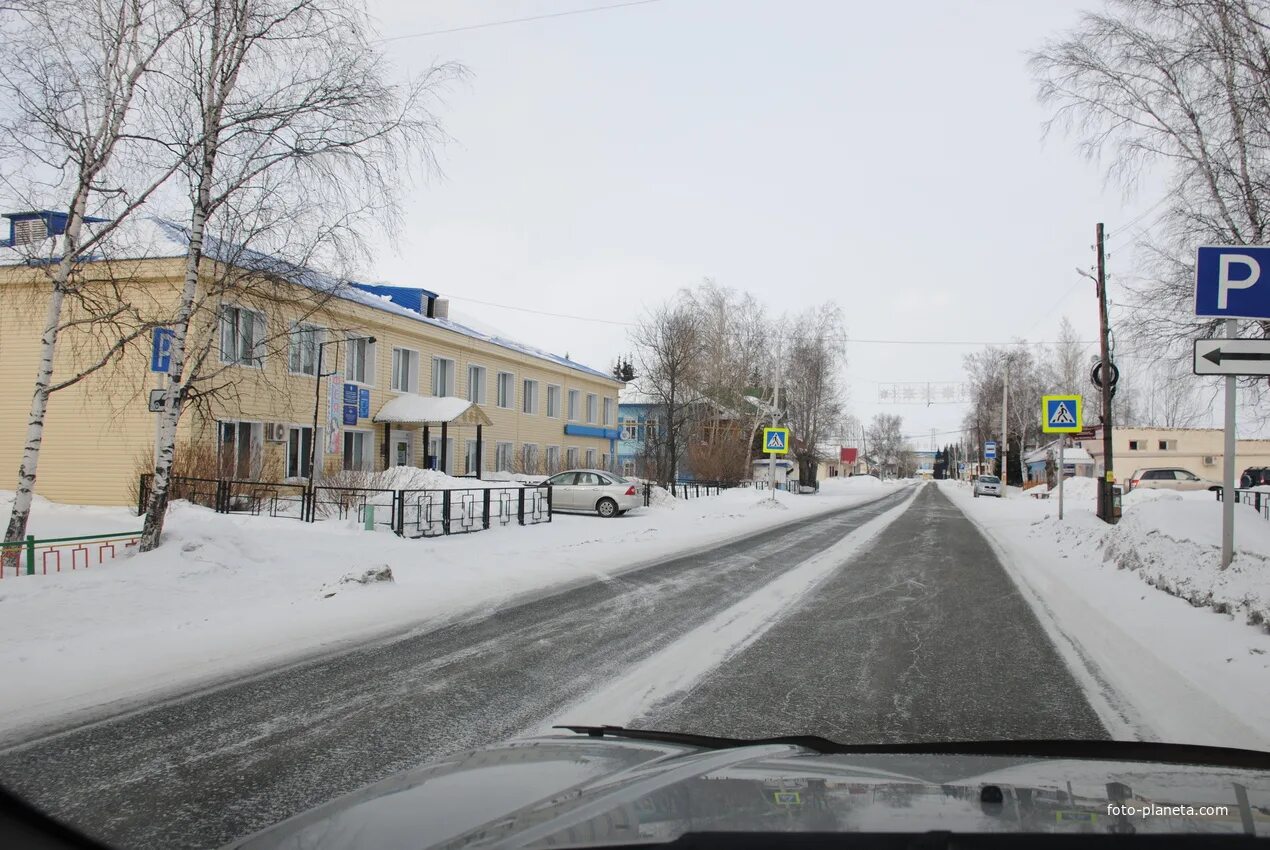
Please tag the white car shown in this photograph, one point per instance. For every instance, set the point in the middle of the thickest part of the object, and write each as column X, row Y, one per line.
column 605, row 493
column 987, row 485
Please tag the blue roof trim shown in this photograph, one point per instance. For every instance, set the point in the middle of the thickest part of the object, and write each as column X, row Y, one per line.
column 410, row 297
column 592, row 431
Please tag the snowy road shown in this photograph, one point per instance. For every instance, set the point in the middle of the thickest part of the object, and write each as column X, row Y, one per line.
column 920, row 636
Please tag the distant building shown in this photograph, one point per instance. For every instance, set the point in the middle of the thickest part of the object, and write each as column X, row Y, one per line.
column 1077, row 463
column 1198, row 450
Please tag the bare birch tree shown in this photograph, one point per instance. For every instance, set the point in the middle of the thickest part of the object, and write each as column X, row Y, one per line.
column 1181, row 86
column 71, row 74
column 812, row 387
column 670, row 349
column 886, row 442
column 298, row 131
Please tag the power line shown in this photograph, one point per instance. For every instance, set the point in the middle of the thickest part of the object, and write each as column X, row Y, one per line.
column 1137, row 218
column 527, row 19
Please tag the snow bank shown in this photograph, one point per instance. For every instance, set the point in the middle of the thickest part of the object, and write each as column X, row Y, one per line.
column 226, row 595
column 1171, row 646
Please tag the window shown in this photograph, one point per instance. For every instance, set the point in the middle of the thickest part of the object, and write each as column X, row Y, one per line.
column 434, row 455
column 553, row 460
column 608, row 411
column 239, row 447
column 476, row 384
column 590, row 458
column 571, row 457
column 529, row 458
column 553, row 401
column 650, row 429
column 359, row 451
column 590, row 408
column 302, row 350
column 628, row 468
column 28, row 230
column 242, row 336
column 299, row 449
column 1137, row 445
column 442, row 376
column 505, row 389
column 529, row 397
column 405, row 370
column 470, row 461
column 573, row 405
column 1168, row 445
column 359, row 361
column 604, row 460
column 1157, row 475
column 630, row 427
column 503, row 457
column 1184, row 475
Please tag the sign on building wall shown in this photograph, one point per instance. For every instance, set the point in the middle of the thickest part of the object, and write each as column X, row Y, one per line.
column 363, row 403
column 334, row 412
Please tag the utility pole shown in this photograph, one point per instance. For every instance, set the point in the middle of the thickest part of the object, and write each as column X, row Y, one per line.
column 1005, row 437
column 1108, row 467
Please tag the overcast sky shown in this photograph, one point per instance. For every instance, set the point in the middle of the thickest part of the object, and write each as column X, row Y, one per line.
column 803, row 151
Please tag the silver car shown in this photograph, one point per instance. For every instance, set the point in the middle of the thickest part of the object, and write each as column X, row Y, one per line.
column 593, row 490
column 987, row 485
column 1169, row 478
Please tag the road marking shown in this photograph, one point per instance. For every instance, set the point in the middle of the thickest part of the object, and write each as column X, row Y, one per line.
column 679, row 665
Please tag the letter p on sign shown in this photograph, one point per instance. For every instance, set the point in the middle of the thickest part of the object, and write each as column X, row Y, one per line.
column 1225, row 284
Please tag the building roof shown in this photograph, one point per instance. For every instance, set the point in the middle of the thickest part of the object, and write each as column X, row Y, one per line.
column 151, row 237
column 1073, row 454
column 633, row 393
column 414, row 409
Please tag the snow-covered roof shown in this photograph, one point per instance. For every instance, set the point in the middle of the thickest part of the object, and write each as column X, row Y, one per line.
column 633, row 393
column 151, row 237
column 1073, row 454
column 414, row 409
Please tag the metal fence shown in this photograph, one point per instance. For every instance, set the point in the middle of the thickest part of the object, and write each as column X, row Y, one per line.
column 408, row 513
column 430, row 513
column 1255, row 498
column 53, row 554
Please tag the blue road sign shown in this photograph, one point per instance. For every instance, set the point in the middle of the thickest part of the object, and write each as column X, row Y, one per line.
column 776, row 440
column 350, row 414
column 1231, row 281
column 363, row 403
column 990, row 450
column 1061, row 414
column 161, row 350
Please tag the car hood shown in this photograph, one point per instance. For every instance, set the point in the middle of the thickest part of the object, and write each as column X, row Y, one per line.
column 562, row 791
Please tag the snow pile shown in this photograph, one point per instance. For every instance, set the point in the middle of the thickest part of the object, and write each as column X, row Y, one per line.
column 1078, row 489
column 413, row 478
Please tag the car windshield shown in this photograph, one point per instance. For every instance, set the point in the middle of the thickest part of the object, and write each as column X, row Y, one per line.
column 389, row 383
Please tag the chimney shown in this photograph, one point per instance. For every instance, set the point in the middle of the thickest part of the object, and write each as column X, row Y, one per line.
column 441, row 308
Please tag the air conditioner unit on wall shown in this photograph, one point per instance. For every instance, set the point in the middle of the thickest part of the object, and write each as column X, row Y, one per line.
column 276, row 432
column 1209, row 460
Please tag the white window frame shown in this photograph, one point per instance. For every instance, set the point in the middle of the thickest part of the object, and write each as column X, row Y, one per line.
column 368, row 363
column 630, row 428
column 367, row 460
column 255, row 441
column 653, row 423
column 439, row 367
column 411, row 385
column 575, row 396
column 503, row 457
column 628, row 469
column 608, row 411
column 592, row 408
column 477, row 397
column 259, row 329
column 590, row 459
column 553, row 460
column 509, row 402
column 302, row 461
column 469, row 458
column 529, row 396
column 553, row 400
column 571, row 457
column 529, row 458
column 294, row 350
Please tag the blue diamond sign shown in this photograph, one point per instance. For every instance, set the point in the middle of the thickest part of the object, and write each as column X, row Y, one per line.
column 776, row 441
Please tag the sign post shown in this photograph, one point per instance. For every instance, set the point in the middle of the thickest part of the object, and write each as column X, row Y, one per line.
column 161, row 364
column 1226, row 286
column 1062, row 415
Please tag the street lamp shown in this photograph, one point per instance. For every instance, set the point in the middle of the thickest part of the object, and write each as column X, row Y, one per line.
column 317, row 403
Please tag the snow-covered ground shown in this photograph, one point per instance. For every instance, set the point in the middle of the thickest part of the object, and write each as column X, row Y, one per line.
column 1175, row 647
column 228, row 594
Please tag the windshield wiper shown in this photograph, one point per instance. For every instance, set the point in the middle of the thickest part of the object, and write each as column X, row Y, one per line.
column 1140, row 751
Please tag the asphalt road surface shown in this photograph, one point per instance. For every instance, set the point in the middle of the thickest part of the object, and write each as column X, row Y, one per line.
column 204, row 770
column 923, row 637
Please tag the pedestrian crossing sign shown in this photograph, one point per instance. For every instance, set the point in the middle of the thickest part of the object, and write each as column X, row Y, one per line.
column 776, row 441
column 1061, row 414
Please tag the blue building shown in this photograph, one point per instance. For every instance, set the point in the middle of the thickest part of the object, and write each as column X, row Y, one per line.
column 639, row 418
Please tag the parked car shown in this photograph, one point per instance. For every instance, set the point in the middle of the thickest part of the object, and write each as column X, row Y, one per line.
column 1170, row 478
column 987, row 485
column 587, row 490
column 1254, row 476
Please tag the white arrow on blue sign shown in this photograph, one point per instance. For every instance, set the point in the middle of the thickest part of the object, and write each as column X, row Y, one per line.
column 1230, row 281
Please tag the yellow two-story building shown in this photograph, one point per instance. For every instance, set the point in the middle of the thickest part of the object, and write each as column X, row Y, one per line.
column 393, row 380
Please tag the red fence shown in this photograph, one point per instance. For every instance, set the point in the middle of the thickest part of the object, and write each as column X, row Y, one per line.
column 55, row 554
